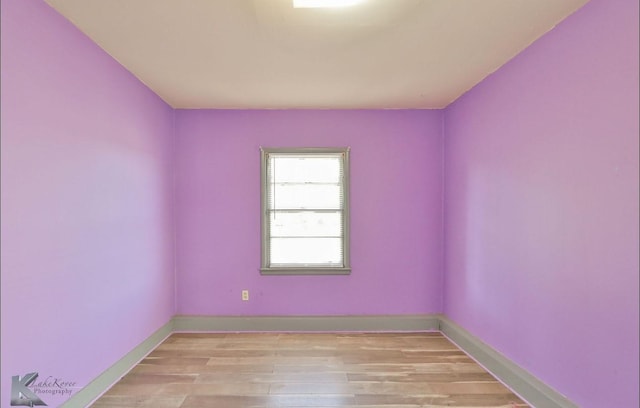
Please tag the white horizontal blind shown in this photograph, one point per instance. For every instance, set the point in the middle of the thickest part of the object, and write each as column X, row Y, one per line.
column 305, row 209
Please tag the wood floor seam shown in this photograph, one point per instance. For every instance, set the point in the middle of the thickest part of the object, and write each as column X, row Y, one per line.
column 348, row 370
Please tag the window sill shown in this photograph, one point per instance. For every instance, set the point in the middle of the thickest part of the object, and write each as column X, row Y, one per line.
column 305, row 271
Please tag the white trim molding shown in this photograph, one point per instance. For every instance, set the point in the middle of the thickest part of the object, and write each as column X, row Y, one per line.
column 519, row 380
column 88, row 394
column 525, row 384
column 305, row 323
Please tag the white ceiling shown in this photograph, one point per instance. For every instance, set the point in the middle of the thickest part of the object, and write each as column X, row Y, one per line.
column 264, row 54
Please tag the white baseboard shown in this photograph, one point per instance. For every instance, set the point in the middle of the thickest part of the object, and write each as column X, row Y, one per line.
column 111, row 375
column 521, row 381
column 305, row 323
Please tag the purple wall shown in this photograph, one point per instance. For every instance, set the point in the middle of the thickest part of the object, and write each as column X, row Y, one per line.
column 541, row 207
column 396, row 207
column 541, row 202
column 87, row 241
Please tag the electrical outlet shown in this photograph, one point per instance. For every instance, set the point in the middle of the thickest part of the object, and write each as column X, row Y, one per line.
column 245, row 295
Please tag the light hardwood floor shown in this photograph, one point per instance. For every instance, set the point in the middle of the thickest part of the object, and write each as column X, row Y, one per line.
column 197, row 370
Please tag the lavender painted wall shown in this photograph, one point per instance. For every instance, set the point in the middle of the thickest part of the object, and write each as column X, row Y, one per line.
column 541, row 207
column 87, row 241
column 396, row 173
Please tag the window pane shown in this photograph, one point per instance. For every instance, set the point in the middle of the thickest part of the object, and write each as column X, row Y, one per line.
column 306, row 224
column 304, row 208
column 305, row 169
column 306, row 251
column 301, row 196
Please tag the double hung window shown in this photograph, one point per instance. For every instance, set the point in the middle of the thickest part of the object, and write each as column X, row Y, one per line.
column 305, row 211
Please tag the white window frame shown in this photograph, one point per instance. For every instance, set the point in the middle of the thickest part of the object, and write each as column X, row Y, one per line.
column 297, row 269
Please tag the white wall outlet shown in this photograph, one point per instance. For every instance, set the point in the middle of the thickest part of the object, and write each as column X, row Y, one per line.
column 245, row 295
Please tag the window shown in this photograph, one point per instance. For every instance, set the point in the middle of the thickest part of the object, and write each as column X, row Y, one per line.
column 305, row 211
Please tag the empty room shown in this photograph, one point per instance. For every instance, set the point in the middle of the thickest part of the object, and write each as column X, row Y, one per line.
column 320, row 203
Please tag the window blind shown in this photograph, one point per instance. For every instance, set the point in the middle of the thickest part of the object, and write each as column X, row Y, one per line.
column 305, row 209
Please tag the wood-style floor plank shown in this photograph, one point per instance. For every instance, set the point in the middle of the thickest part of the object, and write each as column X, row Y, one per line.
column 260, row 370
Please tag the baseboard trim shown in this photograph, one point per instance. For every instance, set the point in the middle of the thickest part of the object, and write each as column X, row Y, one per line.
column 305, row 323
column 521, row 381
column 112, row 374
